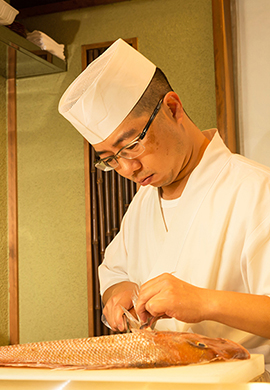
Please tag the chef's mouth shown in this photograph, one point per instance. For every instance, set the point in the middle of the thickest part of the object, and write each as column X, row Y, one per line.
column 146, row 180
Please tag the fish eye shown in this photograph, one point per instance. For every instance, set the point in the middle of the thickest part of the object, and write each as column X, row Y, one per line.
column 198, row 344
column 201, row 345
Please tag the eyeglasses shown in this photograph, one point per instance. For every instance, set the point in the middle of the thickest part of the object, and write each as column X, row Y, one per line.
column 130, row 151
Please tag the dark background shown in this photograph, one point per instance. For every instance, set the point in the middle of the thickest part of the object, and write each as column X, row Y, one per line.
column 32, row 7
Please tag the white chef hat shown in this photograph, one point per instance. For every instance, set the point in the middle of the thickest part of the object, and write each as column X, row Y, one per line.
column 101, row 97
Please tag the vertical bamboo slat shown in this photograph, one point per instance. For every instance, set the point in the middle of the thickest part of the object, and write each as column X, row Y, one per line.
column 108, row 210
column 102, row 241
column 114, row 204
column 13, row 200
column 132, row 189
column 101, row 213
column 121, row 207
column 126, row 192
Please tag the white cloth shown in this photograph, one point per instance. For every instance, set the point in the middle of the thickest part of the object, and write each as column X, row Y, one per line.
column 46, row 43
column 218, row 238
column 103, row 95
column 169, row 209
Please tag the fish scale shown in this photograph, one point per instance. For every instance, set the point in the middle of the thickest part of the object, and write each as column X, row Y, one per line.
column 141, row 348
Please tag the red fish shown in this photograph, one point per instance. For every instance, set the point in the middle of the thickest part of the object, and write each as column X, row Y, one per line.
column 142, row 349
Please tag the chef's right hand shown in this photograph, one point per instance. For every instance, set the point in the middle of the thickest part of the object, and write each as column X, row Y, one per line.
column 118, row 295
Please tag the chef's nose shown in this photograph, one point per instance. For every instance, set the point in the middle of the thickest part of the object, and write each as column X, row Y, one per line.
column 128, row 167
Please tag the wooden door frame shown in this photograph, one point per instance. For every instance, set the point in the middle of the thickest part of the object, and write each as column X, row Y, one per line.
column 12, row 199
column 223, row 12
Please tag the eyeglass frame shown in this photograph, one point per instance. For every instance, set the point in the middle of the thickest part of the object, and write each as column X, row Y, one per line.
column 140, row 137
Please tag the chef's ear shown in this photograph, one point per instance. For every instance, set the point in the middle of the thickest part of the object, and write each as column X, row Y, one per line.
column 174, row 105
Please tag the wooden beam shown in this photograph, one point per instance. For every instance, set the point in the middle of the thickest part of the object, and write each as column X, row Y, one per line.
column 224, row 72
column 12, row 200
column 60, row 6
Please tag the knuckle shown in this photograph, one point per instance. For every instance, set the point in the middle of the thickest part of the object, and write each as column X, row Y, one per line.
column 150, row 307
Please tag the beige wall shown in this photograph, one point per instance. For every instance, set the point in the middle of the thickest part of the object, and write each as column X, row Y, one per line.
column 177, row 36
column 3, row 218
column 253, row 30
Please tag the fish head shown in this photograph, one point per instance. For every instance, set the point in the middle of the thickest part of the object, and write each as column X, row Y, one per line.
column 183, row 348
column 203, row 348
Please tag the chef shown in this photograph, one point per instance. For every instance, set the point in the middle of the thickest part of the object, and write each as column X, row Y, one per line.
column 195, row 240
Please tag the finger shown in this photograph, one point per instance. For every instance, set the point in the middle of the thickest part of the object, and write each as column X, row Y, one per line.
column 115, row 318
column 144, row 316
column 120, row 322
column 147, row 292
column 150, row 284
column 154, row 286
column 158, row 306
column 141, row 311
column 158, row 280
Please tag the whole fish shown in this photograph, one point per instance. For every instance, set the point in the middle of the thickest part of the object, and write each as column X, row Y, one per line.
column 141, row 349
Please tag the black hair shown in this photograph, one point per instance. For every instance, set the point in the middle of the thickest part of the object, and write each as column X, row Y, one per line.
column 158, row 87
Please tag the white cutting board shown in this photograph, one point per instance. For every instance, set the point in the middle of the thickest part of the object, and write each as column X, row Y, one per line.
column 242, row 371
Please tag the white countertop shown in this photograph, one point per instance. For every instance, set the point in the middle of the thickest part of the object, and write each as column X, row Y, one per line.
column 242, row 371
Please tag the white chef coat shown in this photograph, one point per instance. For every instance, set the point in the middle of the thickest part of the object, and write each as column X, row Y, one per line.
column 218, row 237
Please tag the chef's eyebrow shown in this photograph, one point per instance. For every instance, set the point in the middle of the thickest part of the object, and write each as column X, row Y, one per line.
column 123, row 137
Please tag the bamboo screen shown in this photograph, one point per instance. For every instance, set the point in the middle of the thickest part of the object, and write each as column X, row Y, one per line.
column 107, row 198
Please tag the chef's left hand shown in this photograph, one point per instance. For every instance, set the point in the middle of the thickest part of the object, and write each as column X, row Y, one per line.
column 167, row 296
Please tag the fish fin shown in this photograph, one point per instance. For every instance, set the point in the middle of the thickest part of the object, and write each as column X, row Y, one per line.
column 132, row 322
